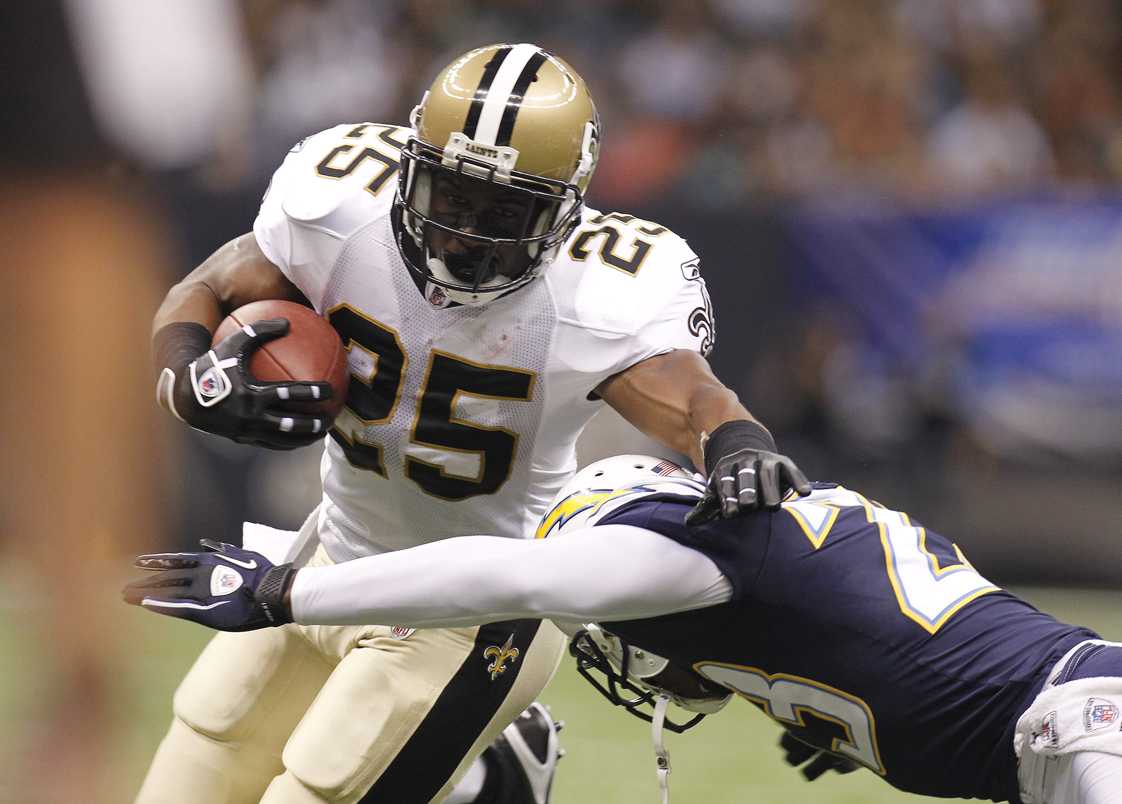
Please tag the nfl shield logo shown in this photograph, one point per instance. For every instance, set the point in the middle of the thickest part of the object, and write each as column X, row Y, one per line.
column 209, row 385
column 224, row 580
column 1048, row 735
column 1099, row 713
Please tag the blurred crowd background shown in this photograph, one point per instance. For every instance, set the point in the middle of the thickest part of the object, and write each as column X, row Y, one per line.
column 908, row 212
column 727, row 101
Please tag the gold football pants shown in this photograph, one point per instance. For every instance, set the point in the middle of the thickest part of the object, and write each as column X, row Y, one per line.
column 345, row 713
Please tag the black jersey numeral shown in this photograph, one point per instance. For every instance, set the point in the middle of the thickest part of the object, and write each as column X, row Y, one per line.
column 610, row 250
column 333, row 166
column 373, row 396
column 436, row 425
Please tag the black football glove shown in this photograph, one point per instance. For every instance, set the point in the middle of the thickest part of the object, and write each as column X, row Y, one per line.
column 744, row 473
column 225, row 587
column 217, row 394
column 818, row 761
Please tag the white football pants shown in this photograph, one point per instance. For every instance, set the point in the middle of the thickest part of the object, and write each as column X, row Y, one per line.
column 1086, row 777
column 1068, row 740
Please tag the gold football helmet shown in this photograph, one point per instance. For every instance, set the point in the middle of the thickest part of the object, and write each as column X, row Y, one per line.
column 492, row 181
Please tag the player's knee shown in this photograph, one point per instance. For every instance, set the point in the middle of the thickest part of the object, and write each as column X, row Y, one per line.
column 336, row 770
column 288, row 788
column 338, row 764
column 337, row 778
column 200, row 723
column 218, row 703
column 203, row 715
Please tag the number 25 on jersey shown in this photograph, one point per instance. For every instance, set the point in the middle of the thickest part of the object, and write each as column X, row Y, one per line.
column 375, row 392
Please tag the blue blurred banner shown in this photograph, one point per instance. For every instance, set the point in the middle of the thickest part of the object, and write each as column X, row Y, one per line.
column 1007, row 316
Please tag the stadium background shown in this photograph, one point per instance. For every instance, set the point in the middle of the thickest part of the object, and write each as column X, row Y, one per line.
column 908, row 216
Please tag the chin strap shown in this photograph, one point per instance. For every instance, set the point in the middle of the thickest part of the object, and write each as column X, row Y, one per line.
column 662, row 753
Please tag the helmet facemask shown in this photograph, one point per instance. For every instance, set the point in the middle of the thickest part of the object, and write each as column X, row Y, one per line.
column 634, row 679
column 482, row 228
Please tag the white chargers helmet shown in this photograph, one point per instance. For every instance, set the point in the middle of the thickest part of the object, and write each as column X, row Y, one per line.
column 603, row 486
column 633, row 678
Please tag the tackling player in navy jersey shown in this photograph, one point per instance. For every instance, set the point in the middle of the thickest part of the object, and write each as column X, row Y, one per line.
column 872, row 640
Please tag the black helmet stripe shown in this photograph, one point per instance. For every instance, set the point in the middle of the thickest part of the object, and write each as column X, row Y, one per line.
column 489, row 72
column 514, row 102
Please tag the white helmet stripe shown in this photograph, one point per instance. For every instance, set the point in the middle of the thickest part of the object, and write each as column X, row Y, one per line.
column 502, row 85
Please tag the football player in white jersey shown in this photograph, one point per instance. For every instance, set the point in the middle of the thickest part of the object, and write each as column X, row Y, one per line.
column 487, row 313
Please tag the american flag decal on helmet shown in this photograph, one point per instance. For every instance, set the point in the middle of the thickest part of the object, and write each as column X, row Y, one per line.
column 665, row 468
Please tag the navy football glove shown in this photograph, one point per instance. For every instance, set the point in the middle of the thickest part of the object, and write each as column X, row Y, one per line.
column 226, row 587
column 818, row 761
column 216, row 393
column 744, row 473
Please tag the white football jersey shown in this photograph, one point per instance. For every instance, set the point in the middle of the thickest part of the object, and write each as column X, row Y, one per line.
column 461, row 419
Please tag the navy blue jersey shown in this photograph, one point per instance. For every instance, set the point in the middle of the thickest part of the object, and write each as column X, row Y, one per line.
column 864, row 634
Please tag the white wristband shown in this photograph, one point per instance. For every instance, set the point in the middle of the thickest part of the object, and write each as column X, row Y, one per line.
column 165, row 390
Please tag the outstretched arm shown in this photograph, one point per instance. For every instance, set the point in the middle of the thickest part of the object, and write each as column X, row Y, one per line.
column 610, row 572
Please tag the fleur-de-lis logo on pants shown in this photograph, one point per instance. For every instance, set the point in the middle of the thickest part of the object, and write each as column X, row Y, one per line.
column 500, row 656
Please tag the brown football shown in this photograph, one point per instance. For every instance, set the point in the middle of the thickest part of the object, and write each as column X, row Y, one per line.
column 311, row 351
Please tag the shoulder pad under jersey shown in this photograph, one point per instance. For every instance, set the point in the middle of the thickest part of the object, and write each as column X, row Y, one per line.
column 616, row 273
column 330, row 184
column 341, row 177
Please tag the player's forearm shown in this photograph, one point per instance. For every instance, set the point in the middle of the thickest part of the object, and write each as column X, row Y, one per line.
column 189, row 302
column 200, row 297
column 674, row 398
column 710, row 406
column 236, row 274
column 611, row 572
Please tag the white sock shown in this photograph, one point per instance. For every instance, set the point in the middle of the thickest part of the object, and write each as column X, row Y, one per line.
column 1100, row 777
column 1088, row 777
column 469, row 786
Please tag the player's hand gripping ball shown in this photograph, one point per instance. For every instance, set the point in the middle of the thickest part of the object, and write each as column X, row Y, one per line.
column 276, row 376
